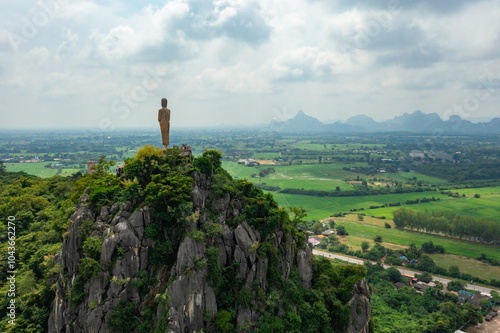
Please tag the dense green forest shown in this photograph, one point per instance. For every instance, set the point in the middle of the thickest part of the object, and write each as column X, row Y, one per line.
column 41, row 209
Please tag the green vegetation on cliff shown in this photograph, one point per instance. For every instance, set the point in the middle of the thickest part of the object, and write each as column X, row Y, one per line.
column 283, row 306
column 41, row 209
column 163, row 181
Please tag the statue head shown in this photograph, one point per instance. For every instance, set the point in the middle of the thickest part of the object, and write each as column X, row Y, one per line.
column 164, row 102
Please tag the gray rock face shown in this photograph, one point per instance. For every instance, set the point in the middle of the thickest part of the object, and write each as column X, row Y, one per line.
column 245, row 237
column 119, row 169
column 360, row 308
column 186, row 151
column 114, row 208
column 182, row 298
column 124, row 246
column 190, row 295
column 305, row 267
column 200, row 192
column 73, row 243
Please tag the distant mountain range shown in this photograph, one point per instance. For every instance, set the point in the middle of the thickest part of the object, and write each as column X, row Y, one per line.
column 416, row 122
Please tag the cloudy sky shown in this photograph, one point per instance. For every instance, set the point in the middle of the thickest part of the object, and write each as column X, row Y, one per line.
column 107, row 63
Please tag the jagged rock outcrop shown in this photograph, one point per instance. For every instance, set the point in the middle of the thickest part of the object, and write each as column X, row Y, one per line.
column 113, row 282
column 181, row 295
column 191, row 296
column 360, row 308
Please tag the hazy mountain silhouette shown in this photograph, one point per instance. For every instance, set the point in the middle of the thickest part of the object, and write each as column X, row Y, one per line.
column 365, row 123
column 300, row 123
column 415, row 122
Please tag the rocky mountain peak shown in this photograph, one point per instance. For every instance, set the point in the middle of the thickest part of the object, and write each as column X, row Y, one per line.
column 189, row 250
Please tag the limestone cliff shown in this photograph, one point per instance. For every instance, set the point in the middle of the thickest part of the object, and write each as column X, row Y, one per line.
column 221, row 274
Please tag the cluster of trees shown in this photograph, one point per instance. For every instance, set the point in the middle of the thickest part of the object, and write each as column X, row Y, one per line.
column 265, row 172
column 407, row 202
column 264, row 186
column 288, row 307
column 429, row 247
column 41, row 208
column 490, row 261
column 375, row 253
column 359, row 191
column 448, row 223
column 316, row 226
column 479, row 170
column 405, row 310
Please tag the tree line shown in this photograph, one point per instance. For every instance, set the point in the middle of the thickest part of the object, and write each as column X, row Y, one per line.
column 359, row 191
column 448, row 223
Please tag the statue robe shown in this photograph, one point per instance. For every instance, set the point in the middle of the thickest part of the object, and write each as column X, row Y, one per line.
column 164, row 119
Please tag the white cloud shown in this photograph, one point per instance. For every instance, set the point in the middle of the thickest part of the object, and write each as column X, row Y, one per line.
column 308, row 63
column 147, row 30
column 235, row 60
column 235, row 79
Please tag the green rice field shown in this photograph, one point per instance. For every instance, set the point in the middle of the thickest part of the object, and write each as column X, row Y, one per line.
column 487, row 206
column 323, row 177
column 401, row 237
column 321, row 207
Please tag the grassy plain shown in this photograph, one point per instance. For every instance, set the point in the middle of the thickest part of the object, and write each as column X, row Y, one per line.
column 354, row 242
column 266, row 156
column 403, row 176
column 321, row 207
column 487, row 206
column 305, row 144
column 323, row 177
column 37, row 169
column 401, row 237
column 467, row 265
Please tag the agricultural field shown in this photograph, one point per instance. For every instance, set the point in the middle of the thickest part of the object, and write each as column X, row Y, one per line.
column 266, row 156
column 306, row 144
column 402, row 237
column 487, row 206
column 467, row 265
column 363, row 157
column 37, row 169
column 324, row 177
column 354, row 243
column 404, row 176
column 321, row 207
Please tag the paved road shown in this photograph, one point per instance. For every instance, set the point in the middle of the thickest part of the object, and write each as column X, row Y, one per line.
column 403, row 271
